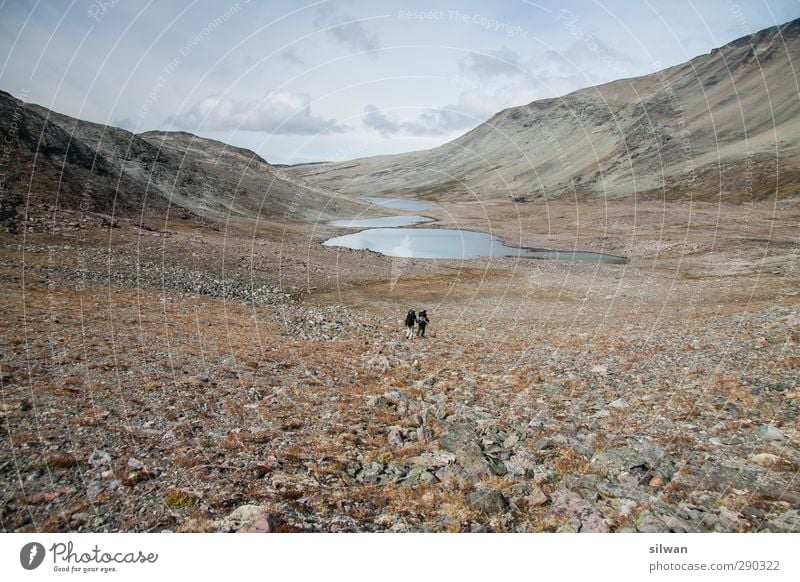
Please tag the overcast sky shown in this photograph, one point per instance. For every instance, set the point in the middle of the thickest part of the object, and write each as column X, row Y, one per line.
column 334, row 80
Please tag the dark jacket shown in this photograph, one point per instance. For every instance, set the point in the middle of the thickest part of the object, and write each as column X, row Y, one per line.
column 410, row 318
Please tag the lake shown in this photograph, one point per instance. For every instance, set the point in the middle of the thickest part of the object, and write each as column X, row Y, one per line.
column 381, row 221
column 440, row 243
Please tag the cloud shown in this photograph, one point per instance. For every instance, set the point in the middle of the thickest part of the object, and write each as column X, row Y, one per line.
column 588, row 52
column 290, row 56
column 346, row 29
column 494, row 63
column 472, row 108
column 278, row 112
column 375, row 119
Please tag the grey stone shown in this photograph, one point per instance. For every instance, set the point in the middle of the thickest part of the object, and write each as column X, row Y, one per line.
column 424, row 434
column 552, row 388
column 240, row 517
column 512, row 440
column 767, row 460
column 450, row 473
column 370, row 474
column 786, row 522
column 584, row 485
column 619, row 491
column 264, row 524
column 644, row 462
column 522, row 464
column 543, row 473
column 99, row 458
column 537, row 497
column 427, row 477
column 728, row 520
column 487, row 501
column 462, row 441
column 413, row 477
column 135, row 464
column 581, row 515
column 395, row 438
column 767, row 432
column 619, row 404
column 497, row 466
column 433, row 460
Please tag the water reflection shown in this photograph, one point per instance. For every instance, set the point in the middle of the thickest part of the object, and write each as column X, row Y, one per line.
column 436, row 243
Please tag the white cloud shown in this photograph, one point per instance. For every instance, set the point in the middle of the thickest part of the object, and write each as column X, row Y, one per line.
column 277, row 112
column 375, row 119
column 473, row 107
column 494, row 63
column 290, row 56
column 346, row 29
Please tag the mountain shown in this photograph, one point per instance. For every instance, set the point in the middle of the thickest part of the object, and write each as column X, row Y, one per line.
column 56, row 161
column 725, row 125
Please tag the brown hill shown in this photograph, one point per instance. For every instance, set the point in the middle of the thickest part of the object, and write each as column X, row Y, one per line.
column 56, row 161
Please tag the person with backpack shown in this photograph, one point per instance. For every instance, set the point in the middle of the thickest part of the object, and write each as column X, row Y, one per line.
column 422, row 322
column 411, row 320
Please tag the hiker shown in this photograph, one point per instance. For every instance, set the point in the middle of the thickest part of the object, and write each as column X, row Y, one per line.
column 422, row 321
column 411, row 320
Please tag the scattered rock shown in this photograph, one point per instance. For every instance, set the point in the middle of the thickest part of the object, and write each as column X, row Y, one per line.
column 768, row 460
column 264, row 524
column 512, row 440
column 135, row 464
column 522, row 464
column 379, row 363
column 433, row 460
column 487, row 501
column 450, row 473
column 537, row 497
column 768, row 432
column 240, row 517
column 581, row 514
column 462, row 441
column 395, row 438
column 729, row 520
column 99, row 458
column 369, row 474
column 786, row 522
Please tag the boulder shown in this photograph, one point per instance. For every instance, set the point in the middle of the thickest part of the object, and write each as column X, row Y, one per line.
column 581, row 515
column 487, row 501
column 462, row 441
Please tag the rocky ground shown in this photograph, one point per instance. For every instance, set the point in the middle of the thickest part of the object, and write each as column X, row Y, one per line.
column 241, row 377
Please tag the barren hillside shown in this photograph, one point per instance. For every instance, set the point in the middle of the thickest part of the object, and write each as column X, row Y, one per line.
column 57, row 161
column 702, row 129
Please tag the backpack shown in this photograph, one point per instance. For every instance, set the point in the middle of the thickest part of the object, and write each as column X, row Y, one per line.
column 410, row 318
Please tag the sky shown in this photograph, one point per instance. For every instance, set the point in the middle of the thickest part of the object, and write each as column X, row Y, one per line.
column 342, row 79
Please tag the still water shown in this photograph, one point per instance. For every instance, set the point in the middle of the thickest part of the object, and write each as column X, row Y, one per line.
column 435, row 243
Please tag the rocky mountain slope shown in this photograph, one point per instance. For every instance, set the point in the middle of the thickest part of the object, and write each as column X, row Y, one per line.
column 56, row 161
column 709, row 128
column 152, row 391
